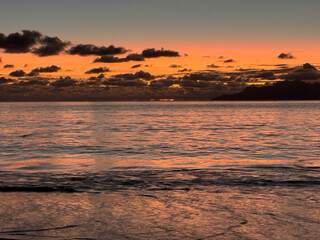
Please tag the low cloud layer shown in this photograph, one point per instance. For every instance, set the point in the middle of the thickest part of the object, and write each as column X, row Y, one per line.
column 133, row 76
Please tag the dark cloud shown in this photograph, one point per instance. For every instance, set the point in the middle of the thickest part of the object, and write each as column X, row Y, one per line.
column 136, row 66
column 90, row 49
column 212, row 66
column 304, row 72
column 265, row 75
column 285, row 56
column 134, row 57
column 49, row 69
column 50, row 46
column 8, row 66
column 5, row 80
column 63, row 82
column 228, row 61
column 110, row 59
column 147, row 53
column 194, row 83
column 33, row 82
column 99, row 77
column 19, row 42
column 160, row 83
column 152, row 53
column 185, row 70
column 97, row 70
column 138, row 75
column 211, row 76
column 124, row 82
column 41, row 45
column 18, row 73
column 174, row 65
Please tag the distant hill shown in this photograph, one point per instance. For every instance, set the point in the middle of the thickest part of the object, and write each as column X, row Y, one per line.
column 286, row 90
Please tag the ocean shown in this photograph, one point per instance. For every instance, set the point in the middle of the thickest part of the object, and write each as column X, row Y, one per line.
column 160, row 170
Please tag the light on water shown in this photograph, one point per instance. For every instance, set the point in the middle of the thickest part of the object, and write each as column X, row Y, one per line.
column 160, row 170
column 120, row 135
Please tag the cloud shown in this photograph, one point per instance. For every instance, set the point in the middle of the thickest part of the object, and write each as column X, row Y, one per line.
column 136, row 66
column 138, row 75
column 18, row 73
column 147, row 53
column 212, row 66
column 134, row 57
column 90, row 49
column 174, row 66
column 99, row 77
column 19, row 43
column 5, row 80
column 285, row 56
column 228, row 61
column 185, row 70
column 211, row 76
column 8, row 66
column 112, row 59
column 125, row 82
column 304, row 72
column 152, row 53
column 97, row 70
column 194, row 83
column 33, row 82
column 264, row 75
column 52, row 68
column 160, row 83
column 42, row 46
column 63, row 82
column 50, row 46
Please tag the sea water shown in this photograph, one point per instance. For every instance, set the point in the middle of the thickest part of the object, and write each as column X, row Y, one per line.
column 160, row 170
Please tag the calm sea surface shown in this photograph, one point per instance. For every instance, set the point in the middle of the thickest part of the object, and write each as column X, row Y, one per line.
column 157, row 135
column 160, row 170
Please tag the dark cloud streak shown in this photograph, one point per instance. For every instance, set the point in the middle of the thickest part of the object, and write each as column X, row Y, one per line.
column 90, row 49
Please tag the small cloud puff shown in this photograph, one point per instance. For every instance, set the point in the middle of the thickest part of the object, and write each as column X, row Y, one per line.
column 97, row 70
column 285, row 56
column 18, row 73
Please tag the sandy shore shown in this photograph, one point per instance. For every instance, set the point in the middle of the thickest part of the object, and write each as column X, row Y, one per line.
column 207, row 213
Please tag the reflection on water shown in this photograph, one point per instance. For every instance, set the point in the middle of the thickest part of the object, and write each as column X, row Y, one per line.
column 95, row 136
column 187, row 170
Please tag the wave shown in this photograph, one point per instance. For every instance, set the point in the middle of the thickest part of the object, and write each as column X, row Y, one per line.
column 159, row 180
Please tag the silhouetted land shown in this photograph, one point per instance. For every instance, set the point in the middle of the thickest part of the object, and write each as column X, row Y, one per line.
column 287, row 90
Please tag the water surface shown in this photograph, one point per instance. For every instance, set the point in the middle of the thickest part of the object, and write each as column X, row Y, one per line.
column 156, row 135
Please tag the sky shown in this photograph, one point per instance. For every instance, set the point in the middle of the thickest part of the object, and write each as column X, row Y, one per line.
column 251, row 34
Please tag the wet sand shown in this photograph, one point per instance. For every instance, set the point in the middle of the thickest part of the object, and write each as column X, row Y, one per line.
column 209, row 212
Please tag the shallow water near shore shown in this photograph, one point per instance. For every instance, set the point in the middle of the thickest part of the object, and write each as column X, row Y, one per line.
column 160, row 170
